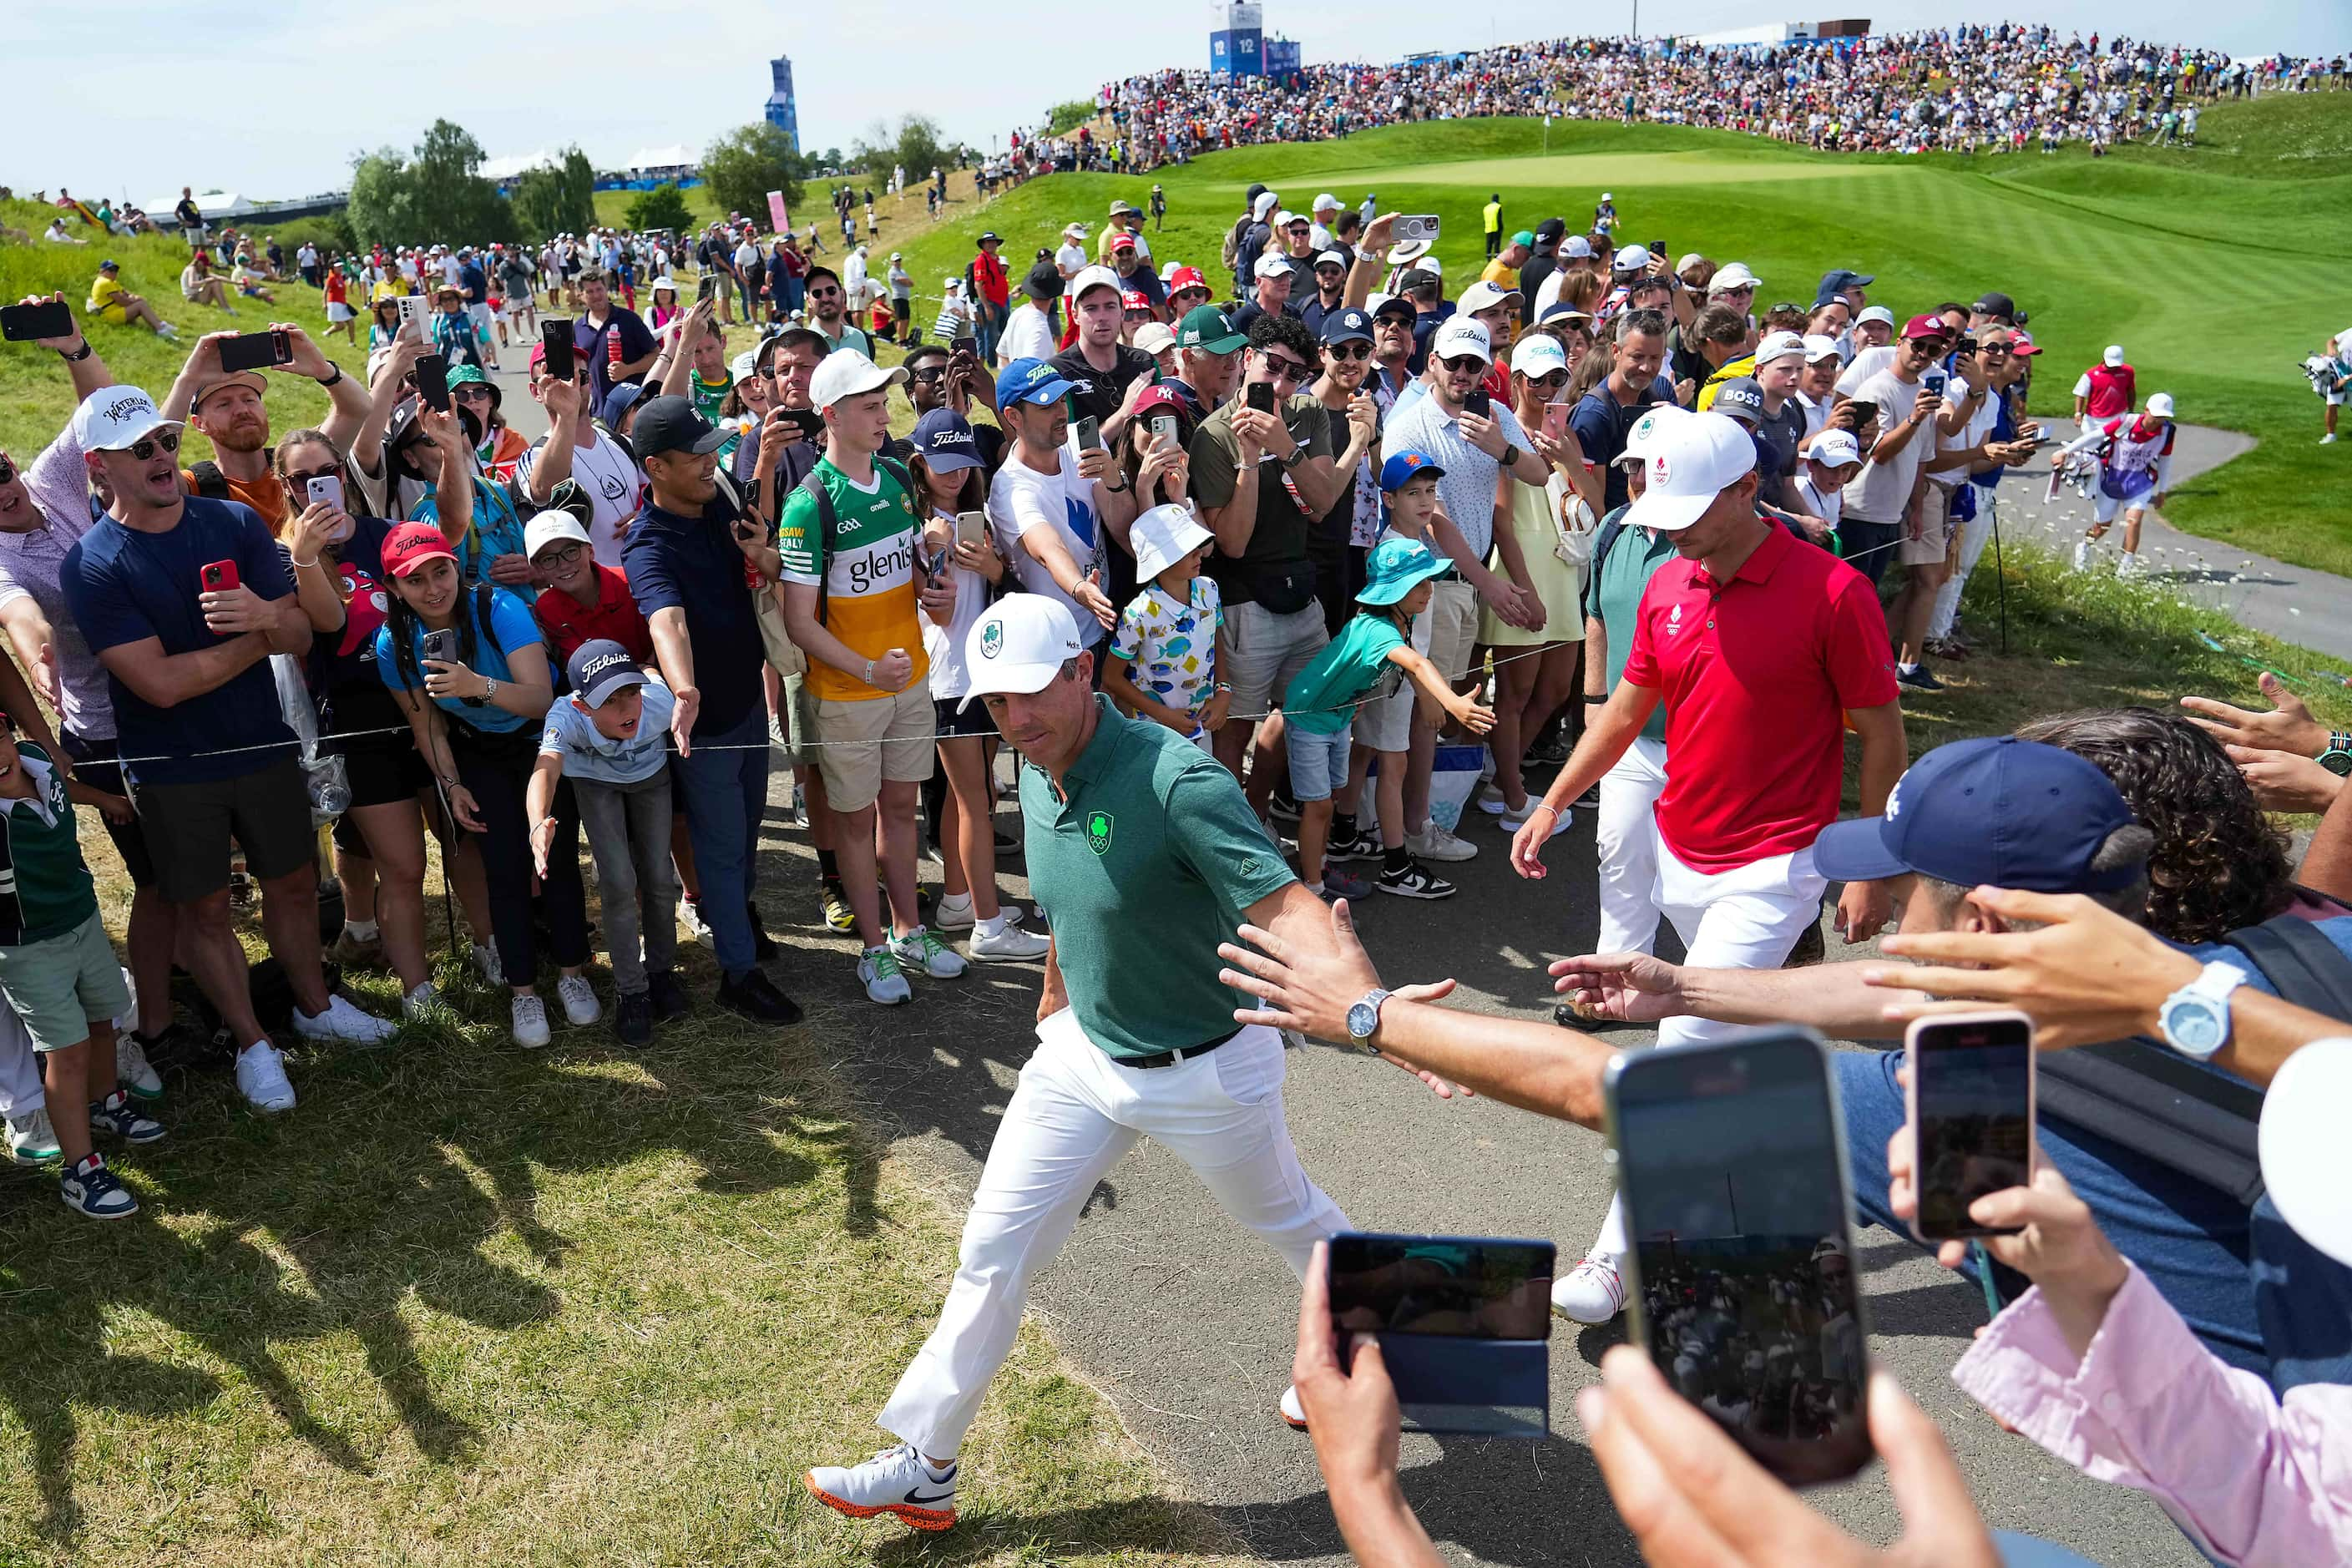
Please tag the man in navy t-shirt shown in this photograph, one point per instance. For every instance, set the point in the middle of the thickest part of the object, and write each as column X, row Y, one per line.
column 184, row 600
column 598, row 324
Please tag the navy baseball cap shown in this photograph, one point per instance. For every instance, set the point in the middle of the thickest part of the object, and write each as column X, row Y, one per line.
column 1996, row 811
column 672, row 424
column 1838, row 280
column 1349, row 326
column 600, row 667
column 943, row 439
column 1030, row 381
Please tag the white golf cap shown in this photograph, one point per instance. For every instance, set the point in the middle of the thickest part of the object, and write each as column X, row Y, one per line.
column 1689, row 260
column 1607, row 198
column 2301, row 1141
column 1073, row 231
column 845, row 373
column 1336, row 258
column 1650, row 429
column 1266, row 202
column 1780, row 346
column 114, row 417
column 1460, row 335
column 1018, row 646
column 2115, row 354
column 2160, row 405
column 1484, row 295
column 745, row 363
column 1095, row 276
column 550, row 527
column 1688, row 462
column 1163, row 536
column 1153, row 338
column 1633, row 258
column 1285, row 217
column 1538, row 355
column 1820, row 346
column 1735, row 276
column 1875, row 313
column 1836, row 448
column 1576, row 247
column 1327, row 202
column 1273, row 264
column 663, row 281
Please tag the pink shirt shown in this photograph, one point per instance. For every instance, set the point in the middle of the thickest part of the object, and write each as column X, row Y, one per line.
column 2257, row 1479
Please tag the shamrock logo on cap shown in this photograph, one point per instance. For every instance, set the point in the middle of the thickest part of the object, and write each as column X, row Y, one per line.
column 992, row 639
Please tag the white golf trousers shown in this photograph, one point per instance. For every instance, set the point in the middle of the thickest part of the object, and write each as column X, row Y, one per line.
column 1625, row 842
column 1076, row 1110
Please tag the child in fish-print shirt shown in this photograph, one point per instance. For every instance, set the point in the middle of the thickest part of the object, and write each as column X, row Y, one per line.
column 1163, row 657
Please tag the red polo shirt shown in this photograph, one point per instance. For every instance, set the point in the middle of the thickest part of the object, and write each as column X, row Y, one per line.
column 614, row 614
column 1756, row 674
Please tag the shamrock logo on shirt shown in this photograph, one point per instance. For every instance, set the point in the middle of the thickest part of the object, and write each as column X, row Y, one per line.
column 1098, row 826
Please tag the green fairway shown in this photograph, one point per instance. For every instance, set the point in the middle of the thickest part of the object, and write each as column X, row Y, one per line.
column 2198, row 261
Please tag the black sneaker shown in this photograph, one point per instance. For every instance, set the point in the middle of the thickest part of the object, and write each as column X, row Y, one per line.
column 1918, row 677
column 633, row 1018
column 1590, row 799
column 174, row 1045
column 755, row 997
column 1358, row 845
column 1285, row 804
column 1007, row 846
column 1415, row 881
column 1564, row 1014
column 764, row 946
column 1811, row 948
column 670, row 999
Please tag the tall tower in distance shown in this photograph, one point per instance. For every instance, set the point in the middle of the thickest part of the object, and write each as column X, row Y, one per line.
column 781, row 112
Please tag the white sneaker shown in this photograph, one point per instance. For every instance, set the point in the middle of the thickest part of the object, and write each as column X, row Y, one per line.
column 2328, row 439
column 690, row 917
column 877, row 971
column 1293, row 1412
column 896, row 1481
column 1436, row 843
column 261, row 1077
column 1011, row 945
column 1592, row 1292
column 132, row 1069
column 921, row 949
column 2128, row 566
column 529, row 1027
column 579, row 999
column 2082, row 555
column 414, row 1002
column 344, row 1023
column 486, row 959
column 33, row 1139
column 1512, row 821
column 955, row 914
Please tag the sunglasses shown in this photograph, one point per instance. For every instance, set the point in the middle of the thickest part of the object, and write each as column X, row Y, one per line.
column 825, row 293
column 7, row 471
column 1459, row 364
column 1551, row 382
column 1996, row 351
column 1283, row 368
column 929, row 373
column 472, row 395
column 1348, row 351
column 295, row 479
column 1933, row 345
column 146, row 446
column 1789, row 305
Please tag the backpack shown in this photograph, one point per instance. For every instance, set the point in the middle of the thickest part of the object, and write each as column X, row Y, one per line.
column 2182, row 1115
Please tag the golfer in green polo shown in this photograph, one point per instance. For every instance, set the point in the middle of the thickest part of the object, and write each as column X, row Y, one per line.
column 1144, row 854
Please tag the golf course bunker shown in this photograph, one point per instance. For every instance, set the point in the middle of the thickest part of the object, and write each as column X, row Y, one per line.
column 1614, row 169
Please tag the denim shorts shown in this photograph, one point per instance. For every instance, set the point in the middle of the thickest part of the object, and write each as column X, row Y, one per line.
column 1319, row 764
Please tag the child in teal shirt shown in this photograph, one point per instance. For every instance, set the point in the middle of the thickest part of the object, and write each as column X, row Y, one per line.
column 1370, row 653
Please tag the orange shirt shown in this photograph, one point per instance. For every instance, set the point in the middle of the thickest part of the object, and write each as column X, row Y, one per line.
column 264, row 495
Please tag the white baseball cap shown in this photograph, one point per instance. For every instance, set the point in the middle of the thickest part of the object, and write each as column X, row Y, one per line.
column 1073, row 231
column 845, row 373
column 1336, row 258
column 550, row 527
column 1285, row 217
column 1633, row 258
column 1273, row 264
column 1484, row 295
column 1875, row 313
column 1820, row 346
column 1164, row 535
column 1095, row 276
column 2301, row 1141
column 2115, row 354
column 115, row 417
column 1153, row 337
column 1735, row 276
column 2160, row 405
column 1650, row 429
column 1538, row 355
column 1266, row 202
column 746, row 363
column 1607, row 198
column 1018, row 646
column 1780, row 346
column 1460, row 335
column 1576, row 246
column 1327, row 202
column 1836, row 448
column 1689, row 260
column 1688, row 463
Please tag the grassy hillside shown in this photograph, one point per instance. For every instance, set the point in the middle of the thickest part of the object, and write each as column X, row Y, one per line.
column 2198, row 261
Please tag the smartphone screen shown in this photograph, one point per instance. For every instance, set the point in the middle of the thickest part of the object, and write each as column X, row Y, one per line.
column 708, row 286
column 253, row 351
column 1457, row 1285
column 1972, row 1098
column 556, row 338
column 48, row 318
column 1261, row 397
column 433, row 381
column 1732, row 1167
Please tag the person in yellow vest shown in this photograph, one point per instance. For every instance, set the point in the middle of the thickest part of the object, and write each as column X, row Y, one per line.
column 1493, row 218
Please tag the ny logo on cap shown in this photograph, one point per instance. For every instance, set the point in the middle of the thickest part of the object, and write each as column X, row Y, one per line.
column 992, row 639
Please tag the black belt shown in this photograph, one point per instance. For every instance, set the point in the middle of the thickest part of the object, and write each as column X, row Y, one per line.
column 1170, row 1059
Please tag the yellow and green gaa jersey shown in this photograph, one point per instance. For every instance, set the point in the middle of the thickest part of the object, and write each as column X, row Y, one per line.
column 867, row 563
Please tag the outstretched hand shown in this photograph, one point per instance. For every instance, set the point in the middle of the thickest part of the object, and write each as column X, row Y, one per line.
column 1311, row 991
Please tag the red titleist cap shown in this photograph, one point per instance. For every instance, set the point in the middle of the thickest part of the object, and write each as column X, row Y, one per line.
column 411, row 545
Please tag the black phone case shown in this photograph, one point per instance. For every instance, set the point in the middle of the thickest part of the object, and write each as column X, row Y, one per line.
column 22, row 323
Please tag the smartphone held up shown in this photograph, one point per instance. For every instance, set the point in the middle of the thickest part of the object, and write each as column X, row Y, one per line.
column 1971, row 1099
column 1463, row 1322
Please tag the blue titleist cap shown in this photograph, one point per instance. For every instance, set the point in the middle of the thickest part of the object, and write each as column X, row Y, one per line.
column 1030, row 381
column 1998, row 812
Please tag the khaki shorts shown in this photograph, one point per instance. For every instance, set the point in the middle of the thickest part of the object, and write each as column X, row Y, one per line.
column 1934, row 545
column 1453, row 617
column 860, row 745
column 60, row 987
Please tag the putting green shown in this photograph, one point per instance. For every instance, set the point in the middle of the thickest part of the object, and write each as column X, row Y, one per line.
column 1610, row 171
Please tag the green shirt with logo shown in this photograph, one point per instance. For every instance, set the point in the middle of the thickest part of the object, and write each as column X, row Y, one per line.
column 1148, row 862
column 867, row 563
column 45, row 884
column 1632, row 560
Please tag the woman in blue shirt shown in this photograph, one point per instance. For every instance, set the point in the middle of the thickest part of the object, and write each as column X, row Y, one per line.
column 477, row 720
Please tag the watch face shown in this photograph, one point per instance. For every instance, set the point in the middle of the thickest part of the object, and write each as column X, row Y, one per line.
column 2194, row 1025
column 1363, row 1021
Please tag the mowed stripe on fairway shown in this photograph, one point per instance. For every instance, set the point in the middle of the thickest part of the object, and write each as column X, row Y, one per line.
column 1609, row 169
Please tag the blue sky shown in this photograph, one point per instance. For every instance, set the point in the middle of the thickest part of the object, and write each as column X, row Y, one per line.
column 273, row 101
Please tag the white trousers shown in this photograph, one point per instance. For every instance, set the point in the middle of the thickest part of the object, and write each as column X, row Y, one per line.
column 1746, row 918
column 21, row 1093
column 1974, row 534
column 1625, row 842
column 1076, row 1111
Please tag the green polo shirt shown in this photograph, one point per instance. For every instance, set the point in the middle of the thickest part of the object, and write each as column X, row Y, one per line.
column 1149, row 864
column 1632, row 560
column 47, row 891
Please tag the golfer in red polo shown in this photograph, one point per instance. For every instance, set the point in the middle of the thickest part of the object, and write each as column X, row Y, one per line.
column 1761, row 645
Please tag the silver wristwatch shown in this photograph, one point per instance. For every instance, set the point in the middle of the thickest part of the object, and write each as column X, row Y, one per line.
column 490, row 688
column 1364, row 1021
column 2196, row 1018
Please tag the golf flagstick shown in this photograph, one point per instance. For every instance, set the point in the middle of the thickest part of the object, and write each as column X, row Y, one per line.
column 2001, row 581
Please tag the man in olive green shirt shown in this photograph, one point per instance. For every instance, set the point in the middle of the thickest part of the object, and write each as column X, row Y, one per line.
column 1145, row 854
